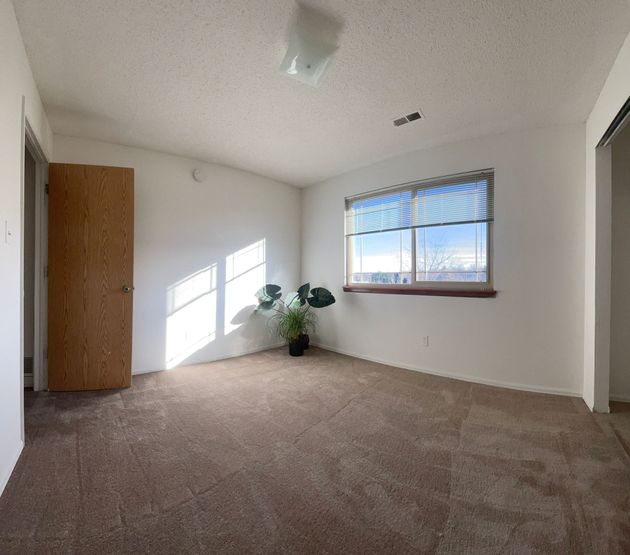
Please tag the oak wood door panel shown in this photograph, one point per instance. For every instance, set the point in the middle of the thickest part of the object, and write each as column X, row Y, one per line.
column 90, row 263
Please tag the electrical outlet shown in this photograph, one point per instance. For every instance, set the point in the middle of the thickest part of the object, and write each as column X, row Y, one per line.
column 425, row 340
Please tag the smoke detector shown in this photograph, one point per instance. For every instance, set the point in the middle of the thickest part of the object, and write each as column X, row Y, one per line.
column 408, row 118
column 198, row 175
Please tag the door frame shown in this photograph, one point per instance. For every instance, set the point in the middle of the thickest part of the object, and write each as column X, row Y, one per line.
column 40, row 373
column 597, row 329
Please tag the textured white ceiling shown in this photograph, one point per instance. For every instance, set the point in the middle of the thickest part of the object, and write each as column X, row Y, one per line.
column 200, row 78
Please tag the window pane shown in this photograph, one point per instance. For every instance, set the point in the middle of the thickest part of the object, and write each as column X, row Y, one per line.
column 452, row 253
column 381, row 257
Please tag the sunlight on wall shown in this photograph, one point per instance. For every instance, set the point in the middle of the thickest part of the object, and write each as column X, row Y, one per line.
column 245, row 273
column 191, row 315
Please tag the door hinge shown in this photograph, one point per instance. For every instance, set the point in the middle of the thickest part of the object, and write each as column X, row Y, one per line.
column 45, row 271
column 45, row 353
column 46, row 188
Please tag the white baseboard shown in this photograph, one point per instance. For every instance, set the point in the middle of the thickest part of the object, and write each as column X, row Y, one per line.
column 28, row 380
column 453, row 375
column 13, row 459
column 223, row 357
column 620, row 398
column 462, row 377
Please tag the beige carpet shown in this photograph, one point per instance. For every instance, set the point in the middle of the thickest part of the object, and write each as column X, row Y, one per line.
column 319, row 454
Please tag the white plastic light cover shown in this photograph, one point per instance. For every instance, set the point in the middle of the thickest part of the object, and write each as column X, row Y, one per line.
column 306, row 59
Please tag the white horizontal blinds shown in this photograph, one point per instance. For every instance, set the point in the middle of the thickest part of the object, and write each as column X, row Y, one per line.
column 444, row 201
column 461, row 200
column 386, row 212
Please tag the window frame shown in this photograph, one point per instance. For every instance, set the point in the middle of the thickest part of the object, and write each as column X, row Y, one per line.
column 421, row 287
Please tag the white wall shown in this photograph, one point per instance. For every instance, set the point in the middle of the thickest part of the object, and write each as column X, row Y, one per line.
column 620, row 305
column 17, row 84
column 597, row 240
column 530, row 335
column 182, row 227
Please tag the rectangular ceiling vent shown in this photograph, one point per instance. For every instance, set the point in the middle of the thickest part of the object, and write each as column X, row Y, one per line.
column 406, row 119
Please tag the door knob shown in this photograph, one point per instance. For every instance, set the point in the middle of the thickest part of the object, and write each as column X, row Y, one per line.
column 127, row 289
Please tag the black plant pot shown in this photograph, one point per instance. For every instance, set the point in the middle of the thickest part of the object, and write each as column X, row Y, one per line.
column 305, row 339
column 296, row 348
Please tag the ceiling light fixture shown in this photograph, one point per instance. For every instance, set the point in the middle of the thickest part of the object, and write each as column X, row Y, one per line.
column 313, row 38
column 306, row 59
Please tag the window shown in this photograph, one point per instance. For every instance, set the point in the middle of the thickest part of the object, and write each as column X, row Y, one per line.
column 427, row 237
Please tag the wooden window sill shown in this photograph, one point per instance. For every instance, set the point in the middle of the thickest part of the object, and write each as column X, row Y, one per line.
column 480, row 293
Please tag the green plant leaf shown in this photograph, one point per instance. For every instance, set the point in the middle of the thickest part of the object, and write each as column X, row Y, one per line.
column 266, row 305
column 292, row 300
column 291, row 324
column 303, row 292
column 269, row 292
column 321, row 297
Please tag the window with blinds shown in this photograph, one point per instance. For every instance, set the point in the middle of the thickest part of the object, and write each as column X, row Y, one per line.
column 435, row 233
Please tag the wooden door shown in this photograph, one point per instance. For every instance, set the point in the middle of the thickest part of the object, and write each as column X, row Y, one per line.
column 90, row 277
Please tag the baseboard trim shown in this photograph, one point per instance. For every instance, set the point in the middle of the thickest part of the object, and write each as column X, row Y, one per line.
column 453, row 375
column 4, row 479
column 235, row 355
column 620, row 398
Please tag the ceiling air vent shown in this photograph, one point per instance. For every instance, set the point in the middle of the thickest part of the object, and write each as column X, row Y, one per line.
column 406, row 119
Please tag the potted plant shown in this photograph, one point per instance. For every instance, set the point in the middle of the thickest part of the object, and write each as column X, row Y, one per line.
column 292, row 316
